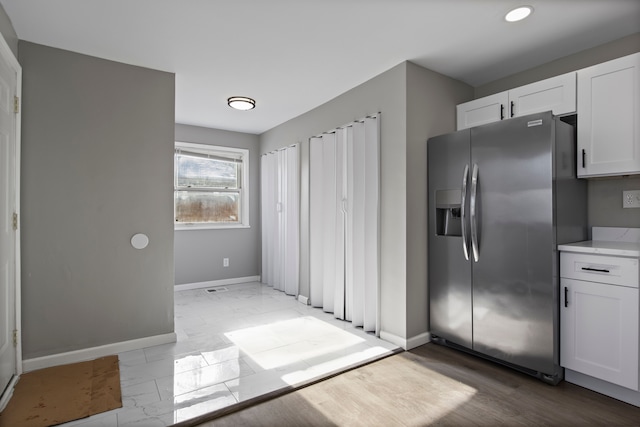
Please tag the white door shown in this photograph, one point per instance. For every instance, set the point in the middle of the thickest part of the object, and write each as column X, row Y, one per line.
column 9, row 156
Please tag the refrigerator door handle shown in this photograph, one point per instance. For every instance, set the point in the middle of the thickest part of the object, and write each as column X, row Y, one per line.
column 463, row 212
column 473, row 213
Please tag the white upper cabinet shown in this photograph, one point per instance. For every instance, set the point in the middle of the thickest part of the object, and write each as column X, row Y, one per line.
column 557, row 94
column 609, row 118
column 481, row 111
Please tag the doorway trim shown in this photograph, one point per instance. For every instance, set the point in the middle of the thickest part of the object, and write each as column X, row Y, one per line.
column 7, row 55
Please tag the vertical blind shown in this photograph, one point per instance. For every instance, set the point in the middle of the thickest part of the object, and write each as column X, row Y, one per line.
column 344, row 222
column 280, row 208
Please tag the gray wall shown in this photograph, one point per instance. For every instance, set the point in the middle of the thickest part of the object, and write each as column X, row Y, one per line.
column 586, row 58
column 431, row 102
column 8, row 32
column 605, row 195
column 97, row 161
column 384, row 93
column 605, row 202
column 198, row 253
column 414, row 104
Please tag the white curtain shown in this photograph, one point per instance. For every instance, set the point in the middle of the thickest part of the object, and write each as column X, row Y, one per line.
column 344, row 222
column 280, row 192
column 316, row 222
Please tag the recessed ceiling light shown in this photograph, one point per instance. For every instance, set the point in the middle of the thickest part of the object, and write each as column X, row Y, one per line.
column 241, row 103
column 518, row 14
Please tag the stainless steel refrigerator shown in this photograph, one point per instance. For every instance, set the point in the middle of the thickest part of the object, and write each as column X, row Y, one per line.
column 501, row 198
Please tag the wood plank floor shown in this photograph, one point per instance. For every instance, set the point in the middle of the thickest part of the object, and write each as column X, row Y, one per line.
column 434, row 385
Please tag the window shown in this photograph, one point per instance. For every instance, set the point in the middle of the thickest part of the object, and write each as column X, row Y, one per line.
column 210, row 186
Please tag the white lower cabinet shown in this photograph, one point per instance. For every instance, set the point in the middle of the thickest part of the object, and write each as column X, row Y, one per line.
column 599, row 331
column 599, row 325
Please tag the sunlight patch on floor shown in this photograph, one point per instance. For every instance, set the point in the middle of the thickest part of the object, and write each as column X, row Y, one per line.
column 289, row 341
column 445, row 398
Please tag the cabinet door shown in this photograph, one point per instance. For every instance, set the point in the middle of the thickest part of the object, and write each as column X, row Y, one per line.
column 599, row 331
column 609, row 118
column 478, row 112
column 557, row 94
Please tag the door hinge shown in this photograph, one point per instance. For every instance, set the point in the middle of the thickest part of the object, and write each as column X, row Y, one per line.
column 15, row 221
column 16, row 104
column 15, row 337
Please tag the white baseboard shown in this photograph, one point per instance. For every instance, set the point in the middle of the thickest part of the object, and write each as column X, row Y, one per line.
column 303, row 300
column 405, row 343
column 627, row 395
column 8, row 392
column 418, row 340
column 214, row 283
column 95, row 352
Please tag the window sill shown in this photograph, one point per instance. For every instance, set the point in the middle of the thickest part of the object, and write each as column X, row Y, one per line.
column 186, row 227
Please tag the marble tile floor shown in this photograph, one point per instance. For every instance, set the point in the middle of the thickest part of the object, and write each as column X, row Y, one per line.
column 240, row 342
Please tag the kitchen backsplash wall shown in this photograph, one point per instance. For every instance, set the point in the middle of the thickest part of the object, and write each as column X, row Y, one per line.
column 605, row 202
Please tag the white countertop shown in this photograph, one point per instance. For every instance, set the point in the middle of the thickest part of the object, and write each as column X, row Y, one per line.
column 603, row 247
column 615, row 241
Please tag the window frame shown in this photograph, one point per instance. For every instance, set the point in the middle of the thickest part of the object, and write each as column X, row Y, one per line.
column 244, row 187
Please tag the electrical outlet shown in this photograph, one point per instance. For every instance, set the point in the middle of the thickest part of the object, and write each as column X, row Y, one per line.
column 225, row 262
column 631, row 199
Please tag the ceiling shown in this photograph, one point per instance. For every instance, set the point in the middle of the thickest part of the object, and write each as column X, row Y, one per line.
column 293, row 55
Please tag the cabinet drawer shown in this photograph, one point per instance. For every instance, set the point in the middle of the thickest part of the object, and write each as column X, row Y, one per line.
column 600, row 268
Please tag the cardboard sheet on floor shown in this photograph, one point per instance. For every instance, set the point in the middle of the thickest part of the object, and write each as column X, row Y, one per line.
column 64, row 393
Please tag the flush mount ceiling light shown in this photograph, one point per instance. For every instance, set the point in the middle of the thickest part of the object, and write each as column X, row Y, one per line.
column 241, row 103
column 518, row 14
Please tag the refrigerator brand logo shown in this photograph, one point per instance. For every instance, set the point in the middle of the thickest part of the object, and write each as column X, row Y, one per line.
column 534, row 123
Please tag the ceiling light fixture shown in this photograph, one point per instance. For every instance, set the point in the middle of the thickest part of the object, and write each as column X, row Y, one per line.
column 241, row 103
column 518, row 14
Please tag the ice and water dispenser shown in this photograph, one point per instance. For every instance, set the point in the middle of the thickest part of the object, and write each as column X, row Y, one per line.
column 448, row 221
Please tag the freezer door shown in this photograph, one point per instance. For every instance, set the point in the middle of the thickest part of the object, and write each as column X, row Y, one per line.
column 513, row 283
column 449, row 270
